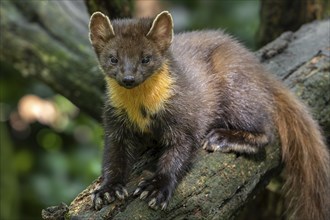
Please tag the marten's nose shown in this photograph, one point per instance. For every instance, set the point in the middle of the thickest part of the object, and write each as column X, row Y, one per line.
column 128, row 81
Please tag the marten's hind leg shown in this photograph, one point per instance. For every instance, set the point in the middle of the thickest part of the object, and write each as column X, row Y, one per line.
column 234, row 141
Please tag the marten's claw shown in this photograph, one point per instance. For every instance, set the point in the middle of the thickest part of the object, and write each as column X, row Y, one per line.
column 153, row 204
column 98, row 203
column 121, row 193
column 107, row 194
column 144, row 195
column 109, row 199
column 155, row 191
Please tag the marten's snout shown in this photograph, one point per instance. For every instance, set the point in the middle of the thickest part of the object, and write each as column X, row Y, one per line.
column 129, row 81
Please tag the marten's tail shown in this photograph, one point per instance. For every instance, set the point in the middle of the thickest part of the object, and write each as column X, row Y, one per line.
column 306, row 158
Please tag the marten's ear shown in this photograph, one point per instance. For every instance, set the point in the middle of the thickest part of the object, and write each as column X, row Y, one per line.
column 100, row 31
column 161, row 30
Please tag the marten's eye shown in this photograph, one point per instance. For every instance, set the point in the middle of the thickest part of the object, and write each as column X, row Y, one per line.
column 146, row 60
column 113, row 60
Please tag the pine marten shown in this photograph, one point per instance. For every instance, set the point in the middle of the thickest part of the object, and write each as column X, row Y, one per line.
column 192, row 90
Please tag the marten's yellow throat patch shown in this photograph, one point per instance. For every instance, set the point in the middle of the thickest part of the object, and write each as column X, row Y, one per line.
column 150, row 96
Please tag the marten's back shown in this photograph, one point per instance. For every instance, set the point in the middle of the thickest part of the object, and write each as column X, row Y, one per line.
column 205, row 53
column 224, row 78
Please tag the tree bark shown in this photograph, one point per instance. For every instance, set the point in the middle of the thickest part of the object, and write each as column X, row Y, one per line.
column 50, row 42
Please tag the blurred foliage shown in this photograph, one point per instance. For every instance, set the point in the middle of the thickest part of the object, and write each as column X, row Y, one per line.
column 47, row 160
column 239, row 18
column 9, row 181
column 43, row 164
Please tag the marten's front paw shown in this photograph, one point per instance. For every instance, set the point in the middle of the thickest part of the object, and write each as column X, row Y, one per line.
column 156, row 191
column 107, row 193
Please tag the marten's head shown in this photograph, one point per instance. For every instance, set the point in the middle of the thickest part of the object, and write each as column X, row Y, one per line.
column 131, row 50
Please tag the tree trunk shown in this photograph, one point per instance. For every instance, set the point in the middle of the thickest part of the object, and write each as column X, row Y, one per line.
column 278, row 16
column 49, row 41
column 114, row 9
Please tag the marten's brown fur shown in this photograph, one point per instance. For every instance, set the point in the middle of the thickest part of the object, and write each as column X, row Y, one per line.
column 198, row 89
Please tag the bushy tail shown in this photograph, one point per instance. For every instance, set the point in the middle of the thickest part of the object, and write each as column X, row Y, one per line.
column 306, row 158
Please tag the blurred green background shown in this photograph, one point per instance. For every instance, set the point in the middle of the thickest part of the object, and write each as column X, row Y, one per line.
column 50, row 150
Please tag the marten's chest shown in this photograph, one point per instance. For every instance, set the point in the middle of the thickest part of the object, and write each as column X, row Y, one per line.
column 142, row 102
